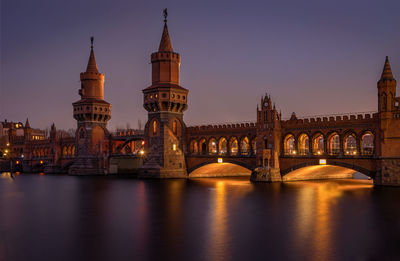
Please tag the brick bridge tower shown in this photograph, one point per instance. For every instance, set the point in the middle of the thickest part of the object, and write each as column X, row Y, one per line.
column 268, row 142
column 165, row 101
column 389, row 129
column 92, row 113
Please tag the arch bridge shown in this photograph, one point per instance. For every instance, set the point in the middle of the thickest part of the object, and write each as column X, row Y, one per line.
column 345, row 141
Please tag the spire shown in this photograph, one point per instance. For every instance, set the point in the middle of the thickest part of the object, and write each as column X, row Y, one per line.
column 27, row 125
column 165, row 44
column 387, row 71
column 92, row 65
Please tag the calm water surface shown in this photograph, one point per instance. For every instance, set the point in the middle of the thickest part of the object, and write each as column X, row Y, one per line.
column 44, row 217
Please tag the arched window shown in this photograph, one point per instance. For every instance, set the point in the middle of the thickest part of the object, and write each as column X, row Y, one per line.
column 367, row 144
column 289, row 145
column 193, row 147
column 318, row 144
column 303, row 144
column 350, row 145
column 65, row 151
column 73, row 151
column 174, row 127
column 154, row 127
column 334, row 144
column 203, row 146
column 223, row 146
column 245, row 146
column 81, row 133
column 384, row 101
column 233, row 146
column 212, row 146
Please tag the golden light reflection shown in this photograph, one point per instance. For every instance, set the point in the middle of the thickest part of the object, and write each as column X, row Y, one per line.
column 314, row 215
column 218, row 238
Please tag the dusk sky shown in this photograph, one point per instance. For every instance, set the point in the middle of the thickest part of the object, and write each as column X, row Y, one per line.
column 313, row 57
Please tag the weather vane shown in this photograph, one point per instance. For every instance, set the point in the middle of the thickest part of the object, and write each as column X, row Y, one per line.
column 91, row 42
column 165, row 15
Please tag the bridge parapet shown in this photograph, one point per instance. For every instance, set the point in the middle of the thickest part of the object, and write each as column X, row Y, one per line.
column 222, row 126
column 364, row 117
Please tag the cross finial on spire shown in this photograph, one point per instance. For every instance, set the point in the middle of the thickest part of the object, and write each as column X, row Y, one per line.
column 165, row 13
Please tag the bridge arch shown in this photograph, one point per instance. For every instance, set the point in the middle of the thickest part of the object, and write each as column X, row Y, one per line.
column 229, row 167
column 128, row 146
column 356, row 168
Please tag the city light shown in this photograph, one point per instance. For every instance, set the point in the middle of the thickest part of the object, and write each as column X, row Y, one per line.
column 322, row 162
column 8, row 144
column 17, row 162
column 41, row 162
column 141, row 152
column 220, row 160
column 174, row 147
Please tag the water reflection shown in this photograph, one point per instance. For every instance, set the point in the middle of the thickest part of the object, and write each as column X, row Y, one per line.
column 88, row 218
column 218, row 241
column 316, row 208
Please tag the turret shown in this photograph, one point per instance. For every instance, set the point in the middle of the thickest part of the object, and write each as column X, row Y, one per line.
column 92, row 113
column 268, row 131
column 27, row 130
column 386, row 89
column 165, row 101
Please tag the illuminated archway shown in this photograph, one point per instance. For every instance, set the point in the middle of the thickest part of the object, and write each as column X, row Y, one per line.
column 203, row 146
column 289, row 147
column 233, row 146
column 193, row 147
column 212, row 146
column 244, row 146
column 334, row 144
column 350, row 145
column 367, row 144
column 318, row 144
column 224, row 169
column 223, row 146
column 303, row 144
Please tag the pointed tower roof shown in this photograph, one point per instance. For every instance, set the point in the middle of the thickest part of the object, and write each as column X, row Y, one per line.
column 165, row 43
column 27, row 125
column 92, row 65
column 387, row 71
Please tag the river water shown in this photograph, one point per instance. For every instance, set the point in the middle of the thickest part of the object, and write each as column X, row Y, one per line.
column 49, row 217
